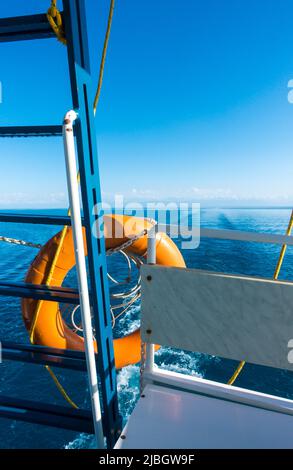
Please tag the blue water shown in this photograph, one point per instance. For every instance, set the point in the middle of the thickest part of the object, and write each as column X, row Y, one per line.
column 33, row 382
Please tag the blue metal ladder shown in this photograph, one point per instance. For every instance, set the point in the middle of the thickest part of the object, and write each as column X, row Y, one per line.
column 37, row 27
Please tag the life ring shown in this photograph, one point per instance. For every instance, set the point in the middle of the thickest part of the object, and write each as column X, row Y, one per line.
column 50, row 329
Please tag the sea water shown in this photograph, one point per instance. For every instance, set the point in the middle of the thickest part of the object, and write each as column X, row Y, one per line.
column 30, row 381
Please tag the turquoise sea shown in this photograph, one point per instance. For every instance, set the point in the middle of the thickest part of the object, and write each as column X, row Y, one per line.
column 33, row 382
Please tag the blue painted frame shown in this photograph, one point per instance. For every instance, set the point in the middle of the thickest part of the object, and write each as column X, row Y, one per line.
column 25, row 27
column 31, row 131
column 37, row 219
column 44, row 413
column 35, row 354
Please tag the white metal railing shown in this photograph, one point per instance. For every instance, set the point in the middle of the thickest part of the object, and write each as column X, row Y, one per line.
column 237, row 235
column 219, row 390
column 85, row 310
column 151, row 259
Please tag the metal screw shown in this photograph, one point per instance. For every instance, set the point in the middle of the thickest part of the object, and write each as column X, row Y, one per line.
column 148, row 332
column 122, row 436
column 142, row 396
column 149, row 277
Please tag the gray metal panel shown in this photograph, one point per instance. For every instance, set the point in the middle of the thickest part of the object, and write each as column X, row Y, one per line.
column 173, row 419
column 235, row 317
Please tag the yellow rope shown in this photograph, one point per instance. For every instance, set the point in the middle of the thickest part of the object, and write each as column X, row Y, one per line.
column 60, row 388
column 284, row 248
column 47, row 282
column 55, row 19
column 36, row 316
column 103, row 59
column 276, row 275
column 236, row 373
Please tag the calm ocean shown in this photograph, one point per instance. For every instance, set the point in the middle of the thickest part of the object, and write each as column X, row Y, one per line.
column 33, row 382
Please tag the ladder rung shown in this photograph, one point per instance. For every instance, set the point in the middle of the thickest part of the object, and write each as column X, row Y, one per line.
column 35, row 219
column 43, row 413
column 30, row 131
column 35, row 354
column 20, row 28
column 39, row 292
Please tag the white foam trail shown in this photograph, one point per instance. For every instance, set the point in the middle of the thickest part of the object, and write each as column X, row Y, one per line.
column 176, row 360
column 83, row 441
column 130, row 321
column 128, row 393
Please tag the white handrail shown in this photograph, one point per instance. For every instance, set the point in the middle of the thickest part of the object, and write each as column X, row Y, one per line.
column 85, row 310
column 151, row 259
column 237, row 235
column 214, row 389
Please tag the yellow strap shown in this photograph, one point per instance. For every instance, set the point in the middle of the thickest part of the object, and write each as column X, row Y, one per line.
column 276, row 275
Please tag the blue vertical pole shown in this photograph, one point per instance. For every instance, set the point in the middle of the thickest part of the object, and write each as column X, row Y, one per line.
column 82, row 95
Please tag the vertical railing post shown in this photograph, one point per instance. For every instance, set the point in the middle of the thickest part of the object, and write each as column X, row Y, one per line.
column 151, row 259
column 85, row 309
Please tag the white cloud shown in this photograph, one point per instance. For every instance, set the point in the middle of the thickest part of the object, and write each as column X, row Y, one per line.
column 209, row 196
column 32, row 200
column 214, row 193
column 205, row 196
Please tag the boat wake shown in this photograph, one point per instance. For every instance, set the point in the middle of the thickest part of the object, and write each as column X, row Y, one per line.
column 128, row 384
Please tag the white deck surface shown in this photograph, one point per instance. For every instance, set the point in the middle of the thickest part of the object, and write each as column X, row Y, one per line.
column 173, row 419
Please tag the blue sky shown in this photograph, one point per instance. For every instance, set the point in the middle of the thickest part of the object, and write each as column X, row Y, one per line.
column 194, row 103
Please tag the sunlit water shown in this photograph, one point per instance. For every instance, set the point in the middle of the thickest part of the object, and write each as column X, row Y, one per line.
column 33, row 382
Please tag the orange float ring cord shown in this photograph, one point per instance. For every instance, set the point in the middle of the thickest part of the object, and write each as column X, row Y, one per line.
column 43, row 318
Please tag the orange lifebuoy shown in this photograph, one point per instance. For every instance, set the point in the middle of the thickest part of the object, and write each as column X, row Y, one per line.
column 50, row 329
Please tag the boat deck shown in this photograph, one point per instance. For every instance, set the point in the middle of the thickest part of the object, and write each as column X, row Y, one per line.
column 167, row 418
